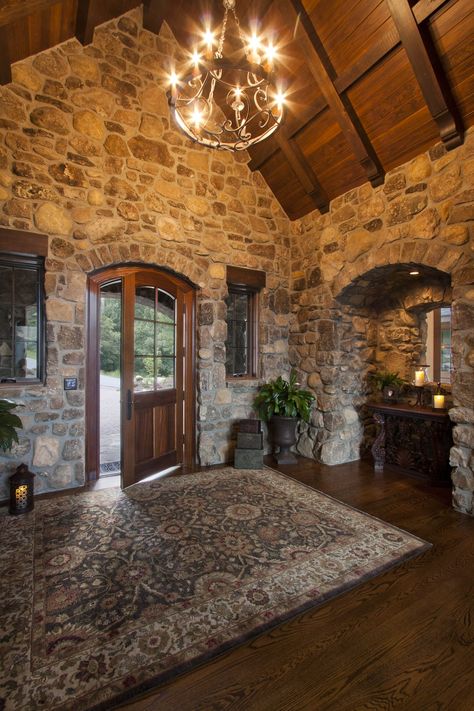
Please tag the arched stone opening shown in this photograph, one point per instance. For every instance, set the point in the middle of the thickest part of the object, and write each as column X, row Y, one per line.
column 395, row 299
column 389, row 306
column 377, row 320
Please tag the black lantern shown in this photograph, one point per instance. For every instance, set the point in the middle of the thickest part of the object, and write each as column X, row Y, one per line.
column 21, row 490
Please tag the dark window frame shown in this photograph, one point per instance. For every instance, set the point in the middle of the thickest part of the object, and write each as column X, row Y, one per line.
column 34, row 263
column 252, row 330
column 437, row 346
column 248, row 282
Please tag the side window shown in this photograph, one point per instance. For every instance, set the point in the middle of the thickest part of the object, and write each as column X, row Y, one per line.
column 439, row 344
column 240, row 345
column 242, row 321
column 21, row 318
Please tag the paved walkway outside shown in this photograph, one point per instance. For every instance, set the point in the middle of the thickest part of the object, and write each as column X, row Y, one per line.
column 109, row 419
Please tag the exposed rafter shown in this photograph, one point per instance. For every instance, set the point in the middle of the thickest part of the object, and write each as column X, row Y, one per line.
column 341, row 109
column 388, row 41
column 5, row 61
column 435, row 96
column 84, row 22
column 91, row 13
column 302, row 170
column 154, row 12
column 13, row 10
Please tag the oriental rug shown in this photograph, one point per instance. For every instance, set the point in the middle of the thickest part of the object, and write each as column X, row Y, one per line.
column 106, row 594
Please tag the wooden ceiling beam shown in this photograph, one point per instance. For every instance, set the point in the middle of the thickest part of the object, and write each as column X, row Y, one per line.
column 154, row 12
column 91, row 13
column 13, row 10
column 84, row 22
column 389, row 40
column 341, row 109
column 424, row 8
column 437, row 98
column 302, row 170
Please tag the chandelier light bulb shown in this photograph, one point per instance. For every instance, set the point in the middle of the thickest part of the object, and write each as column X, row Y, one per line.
column 280, row 99
column 173, row 79
column 197, row 117
column 254, row 45
column 209, row 41
column 270, row 54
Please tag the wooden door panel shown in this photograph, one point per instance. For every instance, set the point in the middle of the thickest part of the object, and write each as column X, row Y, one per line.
column 155, row 438
column 158, row 421
column 165, row 429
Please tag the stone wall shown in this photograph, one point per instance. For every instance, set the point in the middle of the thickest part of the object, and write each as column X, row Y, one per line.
column 349, row 318
column 89, row 157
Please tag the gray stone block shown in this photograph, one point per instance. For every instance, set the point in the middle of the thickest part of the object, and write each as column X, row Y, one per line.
column 248, row 459
column 249, row 440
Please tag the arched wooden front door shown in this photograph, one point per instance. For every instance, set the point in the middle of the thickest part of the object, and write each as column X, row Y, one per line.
column 149, row 335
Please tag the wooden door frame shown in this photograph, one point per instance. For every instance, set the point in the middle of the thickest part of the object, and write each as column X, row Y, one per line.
column 95, row 280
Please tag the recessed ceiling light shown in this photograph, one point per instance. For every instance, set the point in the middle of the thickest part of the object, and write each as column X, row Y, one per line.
column 414, row 273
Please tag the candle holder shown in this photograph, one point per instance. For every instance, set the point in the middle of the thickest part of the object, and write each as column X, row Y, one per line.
column 21, row 491
column 439, row 401
column 421, row 378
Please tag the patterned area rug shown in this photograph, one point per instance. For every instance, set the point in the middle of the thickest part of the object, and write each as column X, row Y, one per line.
column 107, row 594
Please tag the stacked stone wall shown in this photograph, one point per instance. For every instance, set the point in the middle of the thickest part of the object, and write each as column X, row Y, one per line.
column 340, row 330
column 89, row 156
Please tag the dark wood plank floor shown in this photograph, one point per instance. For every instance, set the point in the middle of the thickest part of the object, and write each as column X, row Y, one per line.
column 404, row 640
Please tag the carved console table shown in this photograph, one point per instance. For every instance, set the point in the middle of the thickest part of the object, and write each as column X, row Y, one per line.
column 412, row 440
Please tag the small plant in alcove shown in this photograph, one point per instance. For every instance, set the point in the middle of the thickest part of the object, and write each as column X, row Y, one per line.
column 389, row 383
column 386, row 377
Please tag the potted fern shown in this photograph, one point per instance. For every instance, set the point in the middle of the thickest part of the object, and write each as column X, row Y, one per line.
column 389, row 383
column 9, row 423
column 282, row 403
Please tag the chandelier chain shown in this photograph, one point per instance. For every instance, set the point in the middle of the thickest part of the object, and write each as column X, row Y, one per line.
column 220, row 48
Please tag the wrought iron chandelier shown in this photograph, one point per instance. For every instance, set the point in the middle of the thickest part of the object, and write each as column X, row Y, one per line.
column 226, row 104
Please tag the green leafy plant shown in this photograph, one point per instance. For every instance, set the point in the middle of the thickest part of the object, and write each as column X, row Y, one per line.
column 386, row 378
column 9, row 423
column 284, row 398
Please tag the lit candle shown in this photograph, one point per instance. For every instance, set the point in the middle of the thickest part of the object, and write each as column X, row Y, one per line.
column 209, row 40
column 419, row 378
column 254, row 45
column 21, row 496
column 438, row 402
column 270, row 58
column 196, row 60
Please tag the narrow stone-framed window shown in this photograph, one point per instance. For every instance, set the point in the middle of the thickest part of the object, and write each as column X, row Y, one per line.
column 442, row 364
column 22, row 313
column 242, row 322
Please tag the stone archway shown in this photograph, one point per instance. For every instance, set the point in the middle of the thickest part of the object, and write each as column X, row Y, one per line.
column 337, row 347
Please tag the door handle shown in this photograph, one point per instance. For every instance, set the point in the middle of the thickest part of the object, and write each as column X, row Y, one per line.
column 129, row 404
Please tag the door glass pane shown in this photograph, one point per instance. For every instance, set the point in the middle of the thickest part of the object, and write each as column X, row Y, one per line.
column 164, row 373
column 165, row 340
column 166, row 307
column 144, row 377
column 145, row 302
column 110, row 347
column 144, row 338
column 154, row 334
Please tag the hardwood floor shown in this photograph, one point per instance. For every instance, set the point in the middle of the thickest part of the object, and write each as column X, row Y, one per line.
column 404, row 640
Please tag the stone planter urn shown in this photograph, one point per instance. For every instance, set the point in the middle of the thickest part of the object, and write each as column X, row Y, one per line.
column 283, row 435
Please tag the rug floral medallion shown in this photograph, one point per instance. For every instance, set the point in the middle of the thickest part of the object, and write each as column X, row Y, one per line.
column 107, row 594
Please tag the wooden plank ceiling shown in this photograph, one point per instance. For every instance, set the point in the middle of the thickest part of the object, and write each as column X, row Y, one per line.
column 370, row 83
